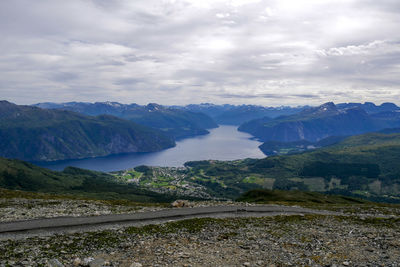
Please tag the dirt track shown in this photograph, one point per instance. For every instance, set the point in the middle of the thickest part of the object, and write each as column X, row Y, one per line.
column 20, row 229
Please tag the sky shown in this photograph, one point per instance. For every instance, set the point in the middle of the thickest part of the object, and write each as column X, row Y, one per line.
column 268, row 53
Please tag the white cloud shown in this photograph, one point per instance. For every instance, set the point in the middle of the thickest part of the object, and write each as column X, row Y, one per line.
column 176, row 51
column 103, row 49
column 375, row 47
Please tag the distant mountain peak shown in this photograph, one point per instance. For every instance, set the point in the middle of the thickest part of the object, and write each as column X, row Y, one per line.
column 322, row 110
column 369, row 104
column 328, row 105
column 370, row 107
column 109, row 103
column 153, row 107
column 389, row 105
column 354, row 110
column 5, row 102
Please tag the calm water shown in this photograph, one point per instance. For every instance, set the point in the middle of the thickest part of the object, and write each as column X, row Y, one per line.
column 223, row 143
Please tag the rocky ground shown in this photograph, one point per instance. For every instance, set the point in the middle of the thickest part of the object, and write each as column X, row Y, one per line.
column 23, row 209
column 311, row 240
column 16, row 209
column 365, row 235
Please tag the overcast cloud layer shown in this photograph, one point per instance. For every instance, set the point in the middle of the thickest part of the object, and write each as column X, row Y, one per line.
column 191, row 51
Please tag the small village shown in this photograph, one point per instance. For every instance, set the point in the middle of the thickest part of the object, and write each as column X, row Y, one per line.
column 166, row 180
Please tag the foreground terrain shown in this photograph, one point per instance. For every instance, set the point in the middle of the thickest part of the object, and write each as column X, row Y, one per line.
column 310, row 240
column 365, row 234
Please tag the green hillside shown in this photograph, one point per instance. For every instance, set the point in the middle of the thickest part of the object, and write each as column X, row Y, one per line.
column 35, row 134
column 280, row 196
column 316, row 123
column 19, row 175
column 365, row 165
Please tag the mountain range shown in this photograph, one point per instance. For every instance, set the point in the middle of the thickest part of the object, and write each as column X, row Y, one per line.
column 51, row 131
column 314, row 124
column 177, row 123
column 36, row 134
column 238, row 114
column 370, row 107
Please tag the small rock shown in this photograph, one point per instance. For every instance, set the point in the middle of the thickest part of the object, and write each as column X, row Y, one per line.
column 55, row 263
column 124, row 245
column 97, row 262
column 183, row 255
column 136, row 264
column 180, row 203
column 87, row 261
column 246, row 264
column 77, row 262
column 346, row 263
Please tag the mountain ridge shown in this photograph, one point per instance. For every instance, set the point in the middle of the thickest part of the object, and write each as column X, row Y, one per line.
column 238, row 114
column 314, row 124
column 176, row 123
column 35, row 134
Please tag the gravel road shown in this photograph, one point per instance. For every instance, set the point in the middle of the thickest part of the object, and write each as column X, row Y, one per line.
column 42, row 227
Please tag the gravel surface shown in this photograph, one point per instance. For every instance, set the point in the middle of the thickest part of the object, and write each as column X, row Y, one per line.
column 310, row 240
column 369, row 235
column 51, row 226
column 16, row 209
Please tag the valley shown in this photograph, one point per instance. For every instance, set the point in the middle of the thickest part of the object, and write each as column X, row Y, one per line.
column 221, row 165
column 308, row 186
column 222, row 143
column 363, row 166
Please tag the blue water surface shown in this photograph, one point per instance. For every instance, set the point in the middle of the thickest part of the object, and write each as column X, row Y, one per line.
column 223, row 143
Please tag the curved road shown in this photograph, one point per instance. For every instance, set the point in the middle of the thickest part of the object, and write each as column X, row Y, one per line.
column 21, row 229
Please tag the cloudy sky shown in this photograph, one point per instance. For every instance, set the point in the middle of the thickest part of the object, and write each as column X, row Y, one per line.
column 190, row 51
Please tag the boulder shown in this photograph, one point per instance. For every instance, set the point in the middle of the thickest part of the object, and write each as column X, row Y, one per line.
column 179, row 203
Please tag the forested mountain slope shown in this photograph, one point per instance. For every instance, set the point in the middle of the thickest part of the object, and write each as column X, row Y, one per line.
column 317, row 123
column 35, row 134
column 176, row 123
